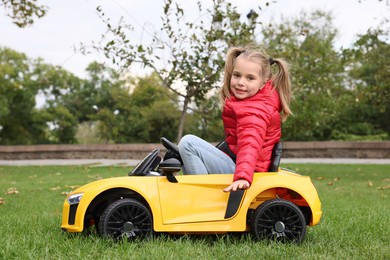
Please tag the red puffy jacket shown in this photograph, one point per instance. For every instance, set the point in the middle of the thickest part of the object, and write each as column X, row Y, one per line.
column 252, row 128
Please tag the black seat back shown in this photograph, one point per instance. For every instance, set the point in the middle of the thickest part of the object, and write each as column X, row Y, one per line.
column 275, row 158
column 224, row 147
column 147, row 164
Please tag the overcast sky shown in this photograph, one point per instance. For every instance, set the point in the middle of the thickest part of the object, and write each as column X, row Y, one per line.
column 70, row 22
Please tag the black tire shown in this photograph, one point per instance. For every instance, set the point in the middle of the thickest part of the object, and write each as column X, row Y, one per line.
column 280, row 220
column 126, row 218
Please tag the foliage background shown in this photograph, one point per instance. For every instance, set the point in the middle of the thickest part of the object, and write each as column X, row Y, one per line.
column 340, row 94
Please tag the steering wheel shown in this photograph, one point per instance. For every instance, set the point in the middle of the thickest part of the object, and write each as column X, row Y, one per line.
column 169, row 145
column 172, row 149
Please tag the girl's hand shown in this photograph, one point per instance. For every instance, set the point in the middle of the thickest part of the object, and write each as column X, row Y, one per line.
column 239, row 184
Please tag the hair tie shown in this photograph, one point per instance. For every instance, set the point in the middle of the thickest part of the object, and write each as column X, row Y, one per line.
column 271, row 61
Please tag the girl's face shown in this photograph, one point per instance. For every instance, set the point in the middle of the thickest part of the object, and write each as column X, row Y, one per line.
column 246, row 79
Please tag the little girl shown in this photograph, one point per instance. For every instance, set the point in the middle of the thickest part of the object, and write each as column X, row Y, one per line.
column 255, row 103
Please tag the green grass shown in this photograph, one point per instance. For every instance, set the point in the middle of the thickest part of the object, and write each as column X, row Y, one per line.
column 355, row 223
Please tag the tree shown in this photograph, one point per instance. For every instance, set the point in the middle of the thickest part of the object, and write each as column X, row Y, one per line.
column 17, row 100
column 207, row 123
column 157, row 108
column 62, row 124
column 369, row 71
column 125, row 110
column 23, row 12
column 317, row 73
column 22, row 80
column 61, row 116
column 188, row 56
column 100, row 101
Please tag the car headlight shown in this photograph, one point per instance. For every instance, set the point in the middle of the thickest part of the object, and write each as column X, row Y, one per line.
column 75, row 198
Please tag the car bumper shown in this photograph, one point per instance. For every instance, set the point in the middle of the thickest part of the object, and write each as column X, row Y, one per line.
column 69, row 214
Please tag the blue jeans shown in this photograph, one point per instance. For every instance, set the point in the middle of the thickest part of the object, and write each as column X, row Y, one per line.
column 201, row 157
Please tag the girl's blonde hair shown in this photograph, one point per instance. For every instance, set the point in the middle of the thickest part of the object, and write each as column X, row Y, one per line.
column 281, row 79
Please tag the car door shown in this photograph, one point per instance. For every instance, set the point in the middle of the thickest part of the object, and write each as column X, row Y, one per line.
column 194, row 198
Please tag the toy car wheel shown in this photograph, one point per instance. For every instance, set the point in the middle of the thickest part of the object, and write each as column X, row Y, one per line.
column 126, row 218
column 279, row 219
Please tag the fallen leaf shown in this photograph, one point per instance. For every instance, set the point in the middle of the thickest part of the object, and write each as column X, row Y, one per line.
column 2, row 201
column 336, row 179
column 330, row 183
column 12, row 191
column 55, row 188
column 320, row 178
column 387, row 180
column 97, row 177
column 370, row 184
column 384, row 187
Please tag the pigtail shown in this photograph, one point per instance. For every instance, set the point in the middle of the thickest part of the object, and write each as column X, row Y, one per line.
column 282, row 82
column 231, row 56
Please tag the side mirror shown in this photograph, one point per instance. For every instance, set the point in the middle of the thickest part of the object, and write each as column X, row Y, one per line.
column 169, row 167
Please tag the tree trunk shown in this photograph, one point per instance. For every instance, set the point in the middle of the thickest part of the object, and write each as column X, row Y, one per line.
column 182, row 118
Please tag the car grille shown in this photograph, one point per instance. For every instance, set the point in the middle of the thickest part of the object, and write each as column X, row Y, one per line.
column 72, row 214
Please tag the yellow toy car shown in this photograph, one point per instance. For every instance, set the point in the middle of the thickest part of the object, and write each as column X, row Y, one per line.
column 279, row 204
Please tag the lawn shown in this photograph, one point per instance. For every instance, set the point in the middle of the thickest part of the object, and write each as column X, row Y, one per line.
column 355, row 223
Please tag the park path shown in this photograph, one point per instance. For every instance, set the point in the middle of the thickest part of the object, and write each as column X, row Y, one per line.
column 132, row 162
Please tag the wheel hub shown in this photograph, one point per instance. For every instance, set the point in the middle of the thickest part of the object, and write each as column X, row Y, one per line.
column 279, row 227
column 128, row 227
